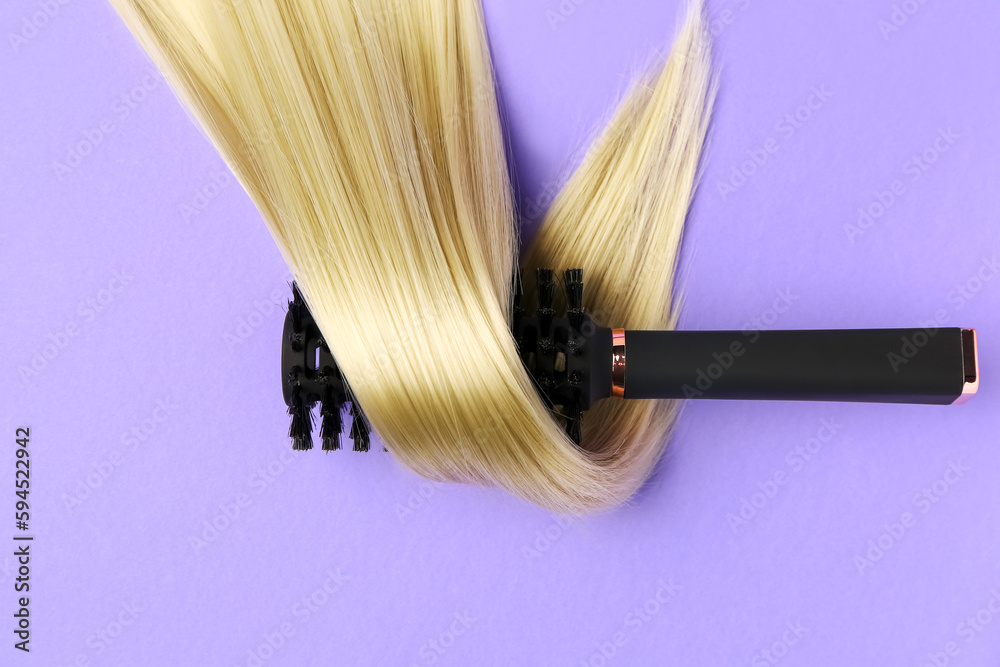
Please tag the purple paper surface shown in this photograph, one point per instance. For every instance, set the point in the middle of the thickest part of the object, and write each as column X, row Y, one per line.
column 850, row 182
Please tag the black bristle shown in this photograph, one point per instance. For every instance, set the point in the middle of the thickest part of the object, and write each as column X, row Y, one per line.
column 297, row 308
column 574, row 423
column 300, row 430
column 574, row 296
column 360, row 428
column 574, row 288
column 545, row 312
column 331, row 424
column 545, row 285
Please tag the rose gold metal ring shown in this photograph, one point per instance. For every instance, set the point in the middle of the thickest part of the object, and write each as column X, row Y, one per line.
column 618, row 362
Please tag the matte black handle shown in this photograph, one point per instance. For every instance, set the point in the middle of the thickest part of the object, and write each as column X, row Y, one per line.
column 870, row 365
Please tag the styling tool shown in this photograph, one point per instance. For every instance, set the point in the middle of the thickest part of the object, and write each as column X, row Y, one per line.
column 575, row 362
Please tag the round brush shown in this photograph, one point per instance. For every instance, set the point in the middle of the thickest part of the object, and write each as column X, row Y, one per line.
column 575, row 362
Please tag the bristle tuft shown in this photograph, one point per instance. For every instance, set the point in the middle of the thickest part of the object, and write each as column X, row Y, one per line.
column 545, row 285
column 574, row 288
column 518, row 292
column 297, row 308
column 300, row 430
column 331, row 424
column 545, row 312
column 574, row 296
column 360, row 429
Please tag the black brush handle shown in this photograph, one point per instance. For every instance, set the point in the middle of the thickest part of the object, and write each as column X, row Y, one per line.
column 869, row 365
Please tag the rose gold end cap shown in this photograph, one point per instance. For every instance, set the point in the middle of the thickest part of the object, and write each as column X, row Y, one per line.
column 970, row 358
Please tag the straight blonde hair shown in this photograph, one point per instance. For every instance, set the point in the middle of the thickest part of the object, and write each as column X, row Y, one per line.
column 368, row 136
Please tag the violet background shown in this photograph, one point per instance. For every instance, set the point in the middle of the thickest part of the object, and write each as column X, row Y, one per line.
column 534, row 589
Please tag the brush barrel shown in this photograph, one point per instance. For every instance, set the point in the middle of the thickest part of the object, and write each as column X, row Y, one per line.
column 933, row 366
